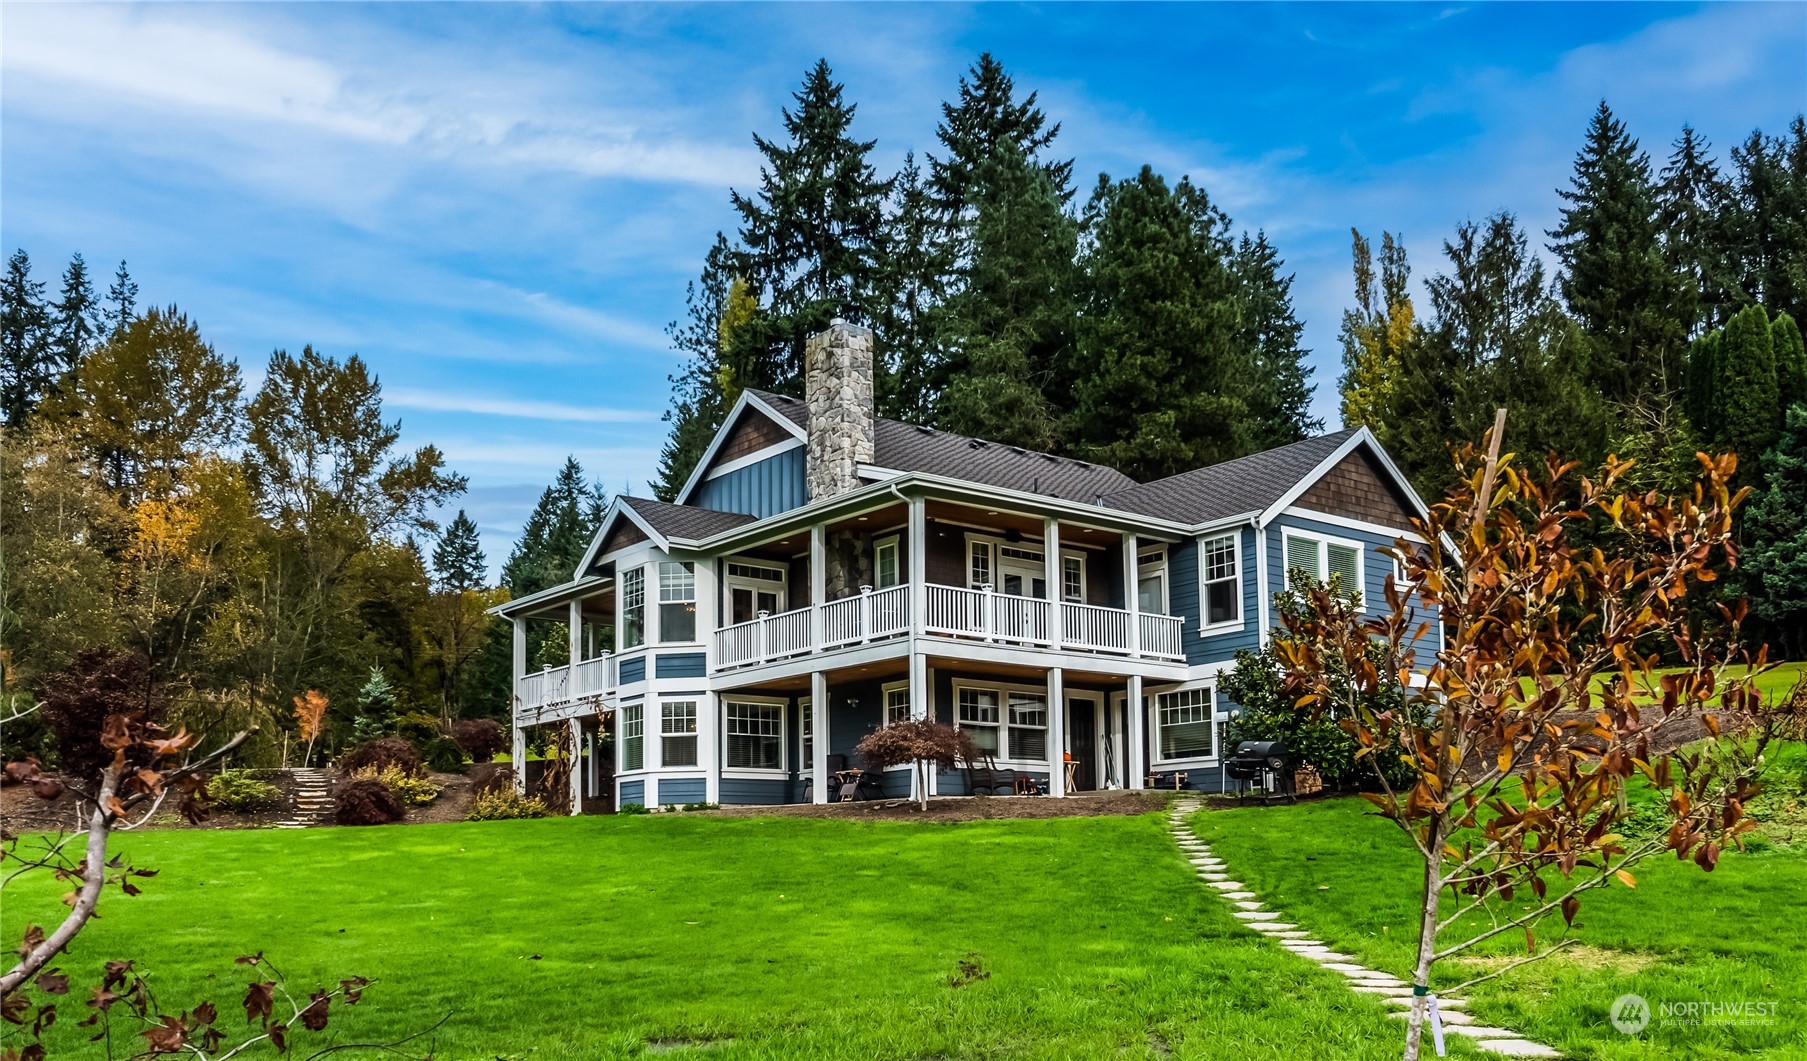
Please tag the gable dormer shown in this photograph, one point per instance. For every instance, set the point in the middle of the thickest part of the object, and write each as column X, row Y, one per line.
column 755, row 465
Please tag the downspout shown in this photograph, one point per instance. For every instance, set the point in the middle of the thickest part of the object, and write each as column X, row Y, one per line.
column 1262, row 593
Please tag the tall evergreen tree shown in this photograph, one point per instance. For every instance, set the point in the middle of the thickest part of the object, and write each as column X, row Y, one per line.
column 1694, row 204
column 1158, row 390
column 913, row 278
column 812, row 236
column 122, row 301
column 1279, row 397
column 1773, row 567
column 1747, row 396
column 1791, row 361
column 27, row 366
column 1377, row 333
column 1702, row 380
column 458, row 561
column 973, row 128
column 1009, row 328
column 1770, row 223
column 557, row 533
column 1615, row 278
column 699, row 390
column 75, row 324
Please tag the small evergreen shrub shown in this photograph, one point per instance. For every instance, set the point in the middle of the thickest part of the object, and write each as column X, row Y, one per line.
column 481, row 738
column 506, row 805
column 366, row 801
column 418, row 728
column 634, row 808
column 410, row 789
column 380, row 754
column 702, row 806
column 443, row 755
column 239, row 790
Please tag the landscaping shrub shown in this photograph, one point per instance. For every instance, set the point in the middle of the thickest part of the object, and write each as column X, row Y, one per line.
column 410, row 789
column 506, row 805
column 443, row 755
column 634, row 808
column 239, row 790
column 491, row 777
column 419, row 729
column 79, row 698
column 481, row 738
column 366, row 801
column 380, row 754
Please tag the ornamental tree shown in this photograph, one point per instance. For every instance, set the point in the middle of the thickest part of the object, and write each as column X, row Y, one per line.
column 921, row 742
column 1544, row 708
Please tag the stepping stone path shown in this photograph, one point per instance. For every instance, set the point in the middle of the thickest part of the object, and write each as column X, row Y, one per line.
column 313, row 799
column 1391, row 990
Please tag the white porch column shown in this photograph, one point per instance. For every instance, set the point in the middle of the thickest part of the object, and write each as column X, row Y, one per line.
column 708, row 610
column 576, row 729
column 920, row 693
column 519, row 759
column 1051, row 565
column 818, row 583
column 709, row 744
column 1132, row 590
column 520, row 662
column 818, row 714
column 575, row 638
column 917, row 543
column 1057, row 732
column 1137, row 758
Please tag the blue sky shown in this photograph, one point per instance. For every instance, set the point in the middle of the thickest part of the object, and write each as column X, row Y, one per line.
column 499, row 206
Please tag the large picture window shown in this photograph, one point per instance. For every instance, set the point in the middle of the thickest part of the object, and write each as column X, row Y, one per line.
column 633, row 608
column 1183, row 724
column 677, row 602
column 754, row 736
column 1323, row 559
column 1223, row 589
column 677, row 731
column 633, row 737
column 1009, row 722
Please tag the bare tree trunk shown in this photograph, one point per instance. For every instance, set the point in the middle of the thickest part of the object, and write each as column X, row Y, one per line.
column 1427, row 934
column 94, row 875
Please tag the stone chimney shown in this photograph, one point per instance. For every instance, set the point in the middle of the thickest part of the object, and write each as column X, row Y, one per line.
column 838, row 393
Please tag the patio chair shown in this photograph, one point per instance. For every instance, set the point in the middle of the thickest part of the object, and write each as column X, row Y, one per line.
column 983, row 777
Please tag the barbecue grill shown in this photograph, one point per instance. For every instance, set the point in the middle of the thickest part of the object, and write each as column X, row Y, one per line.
column 1268, row 762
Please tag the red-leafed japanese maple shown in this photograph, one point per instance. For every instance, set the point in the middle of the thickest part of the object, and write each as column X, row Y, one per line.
column 1544, row 705
column 919, row 742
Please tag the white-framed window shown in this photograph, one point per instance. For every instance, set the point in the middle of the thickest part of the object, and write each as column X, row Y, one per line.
column 978, row 716
column 1323, row 558
column 1220, row 570
column 1028, row 736
column 677, row 732
column 754, row 588
column 1151, row 581
column 1185, row 724
column 806, row 732
column 633, row 608
column 1072, row 578
column 978, row 564
column 897, row 703
column 886, row 563
column 754, row 735
column 633, row 737
column 677, row 602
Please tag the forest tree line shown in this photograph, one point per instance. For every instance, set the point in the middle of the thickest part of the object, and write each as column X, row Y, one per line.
column 254, row 546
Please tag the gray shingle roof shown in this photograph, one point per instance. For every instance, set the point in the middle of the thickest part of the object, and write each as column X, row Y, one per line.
column 907, row 448
column 1246, row 484
column 684, row 521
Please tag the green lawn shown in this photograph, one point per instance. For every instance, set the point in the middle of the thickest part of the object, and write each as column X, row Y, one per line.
column 775, row 937
column 1683, row 935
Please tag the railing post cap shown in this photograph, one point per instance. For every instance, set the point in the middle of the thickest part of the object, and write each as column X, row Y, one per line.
column 865, row 589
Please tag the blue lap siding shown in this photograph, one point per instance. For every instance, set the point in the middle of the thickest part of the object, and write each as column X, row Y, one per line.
column 633, row 792
column 681, row 790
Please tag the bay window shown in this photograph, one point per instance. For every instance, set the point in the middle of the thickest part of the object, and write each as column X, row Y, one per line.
column 633, row 608
column 677, row 602
column 633, row 737
column 677, row 731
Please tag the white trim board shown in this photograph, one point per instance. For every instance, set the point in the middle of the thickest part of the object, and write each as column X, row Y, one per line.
column 753, row 458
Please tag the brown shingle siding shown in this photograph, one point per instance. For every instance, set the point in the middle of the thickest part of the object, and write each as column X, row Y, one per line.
column 1358, row 487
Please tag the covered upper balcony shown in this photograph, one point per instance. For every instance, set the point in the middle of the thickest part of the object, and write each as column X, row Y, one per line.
column 967, row 572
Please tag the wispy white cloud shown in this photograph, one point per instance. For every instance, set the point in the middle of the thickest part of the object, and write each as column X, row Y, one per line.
column 524, row 408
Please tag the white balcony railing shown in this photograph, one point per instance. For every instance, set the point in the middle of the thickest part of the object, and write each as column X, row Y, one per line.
column 952, row 611
column 552, row 687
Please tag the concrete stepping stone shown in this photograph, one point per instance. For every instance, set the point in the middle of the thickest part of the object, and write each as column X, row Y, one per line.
column 1212, row 875
column 1272, row 927
column 1227, row 885
column 1450, row 1016
column 1239, row 895
column 1516, row 1048
column 1482, row 1031
column 1255, row 915
column 1392, row 991
column 1244, row 904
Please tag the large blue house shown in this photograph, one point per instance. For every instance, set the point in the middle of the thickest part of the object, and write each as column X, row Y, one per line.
column 825, row 572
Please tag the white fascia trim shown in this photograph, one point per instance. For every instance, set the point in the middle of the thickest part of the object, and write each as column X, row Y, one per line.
column 549, row 595
column 618, row 508
column 1352, row 524
column 878, row 473
column 752, row 458
column 721, row 434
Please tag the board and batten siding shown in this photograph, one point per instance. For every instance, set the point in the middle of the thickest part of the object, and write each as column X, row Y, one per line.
column 763, row 488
